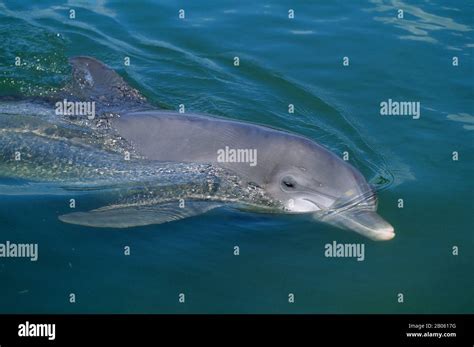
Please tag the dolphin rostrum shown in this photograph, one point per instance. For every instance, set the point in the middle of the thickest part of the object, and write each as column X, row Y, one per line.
column 164, row 166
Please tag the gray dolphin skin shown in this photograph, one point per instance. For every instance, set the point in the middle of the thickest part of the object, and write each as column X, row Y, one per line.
column 162, row 166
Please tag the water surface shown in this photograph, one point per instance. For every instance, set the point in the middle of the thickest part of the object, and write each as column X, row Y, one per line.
column 282, row 61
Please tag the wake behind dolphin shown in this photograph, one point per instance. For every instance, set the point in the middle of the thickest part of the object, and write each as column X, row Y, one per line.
column 167, row 166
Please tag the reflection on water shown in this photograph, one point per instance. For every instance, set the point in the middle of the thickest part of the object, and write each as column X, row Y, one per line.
column 465, row 118
column 419, row 23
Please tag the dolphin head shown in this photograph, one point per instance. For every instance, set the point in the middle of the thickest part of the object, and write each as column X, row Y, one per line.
column 311, row 179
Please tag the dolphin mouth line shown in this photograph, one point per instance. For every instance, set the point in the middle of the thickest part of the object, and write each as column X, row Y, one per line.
column 365, row 221
column 359, row 215
column 314, row 203
column 353, row 204
column 376, row 232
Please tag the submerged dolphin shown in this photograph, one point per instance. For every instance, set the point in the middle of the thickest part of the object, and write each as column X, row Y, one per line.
column 178, row 165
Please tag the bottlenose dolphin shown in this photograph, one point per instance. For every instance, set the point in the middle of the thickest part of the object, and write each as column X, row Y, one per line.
column 169, row 166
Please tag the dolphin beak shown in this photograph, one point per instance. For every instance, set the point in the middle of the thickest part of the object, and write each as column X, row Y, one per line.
column 364, row 222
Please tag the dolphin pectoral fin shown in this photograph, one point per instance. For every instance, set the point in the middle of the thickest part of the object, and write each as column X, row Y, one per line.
column 92, row 80
column 123, row 216
column 364, row 222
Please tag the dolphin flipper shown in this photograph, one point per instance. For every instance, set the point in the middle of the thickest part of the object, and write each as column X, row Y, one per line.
column 92, row 80
column 126, row 216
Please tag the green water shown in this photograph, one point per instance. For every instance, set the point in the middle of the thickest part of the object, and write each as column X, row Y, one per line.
column 282, row 61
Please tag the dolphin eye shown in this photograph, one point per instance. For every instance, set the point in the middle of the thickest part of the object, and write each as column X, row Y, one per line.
column 288, row 182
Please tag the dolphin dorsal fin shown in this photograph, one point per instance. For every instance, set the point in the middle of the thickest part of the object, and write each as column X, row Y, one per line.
column 92, row 80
